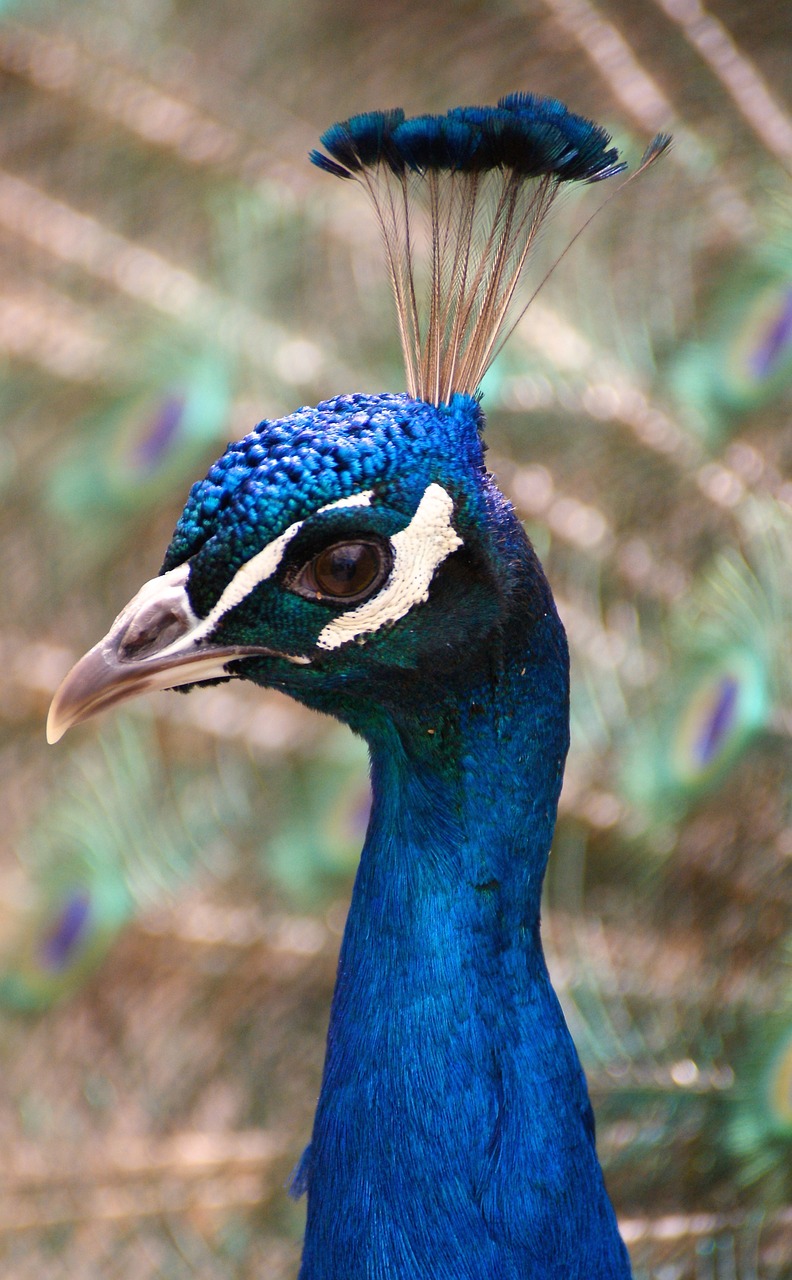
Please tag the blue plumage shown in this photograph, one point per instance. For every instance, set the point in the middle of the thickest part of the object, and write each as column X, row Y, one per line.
column 531, row 135
column 453, row 1125
column 359, row 557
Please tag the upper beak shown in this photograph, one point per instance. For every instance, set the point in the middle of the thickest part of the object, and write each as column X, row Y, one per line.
column 156, row 642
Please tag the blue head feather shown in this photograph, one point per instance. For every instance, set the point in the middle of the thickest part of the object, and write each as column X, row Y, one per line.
column 286, row 470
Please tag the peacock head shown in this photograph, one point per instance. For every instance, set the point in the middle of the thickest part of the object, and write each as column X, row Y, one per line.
column 356, row 555
column 348, row 555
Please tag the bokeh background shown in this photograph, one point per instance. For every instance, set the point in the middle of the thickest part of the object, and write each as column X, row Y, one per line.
column 174, row 879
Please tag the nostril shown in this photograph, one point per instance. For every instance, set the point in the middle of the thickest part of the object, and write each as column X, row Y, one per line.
column 152, row 631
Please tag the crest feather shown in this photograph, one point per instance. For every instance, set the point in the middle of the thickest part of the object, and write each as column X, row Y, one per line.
column 484, row 178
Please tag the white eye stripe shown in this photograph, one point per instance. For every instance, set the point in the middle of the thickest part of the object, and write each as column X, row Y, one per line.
column 418, row 551
column 263, row 565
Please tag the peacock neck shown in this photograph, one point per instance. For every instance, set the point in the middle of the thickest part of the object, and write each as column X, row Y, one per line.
column 465, row 793
column 453, row 1135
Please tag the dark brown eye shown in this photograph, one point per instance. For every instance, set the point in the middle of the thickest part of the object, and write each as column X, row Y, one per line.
column 346, row 571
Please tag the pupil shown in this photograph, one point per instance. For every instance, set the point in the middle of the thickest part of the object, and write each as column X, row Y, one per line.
column 346, row 570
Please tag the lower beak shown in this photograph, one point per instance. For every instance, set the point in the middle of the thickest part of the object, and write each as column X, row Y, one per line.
column 156, row 642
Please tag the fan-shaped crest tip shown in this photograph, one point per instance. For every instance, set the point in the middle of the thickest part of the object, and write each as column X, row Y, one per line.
column 527, row 134
column 484, row 178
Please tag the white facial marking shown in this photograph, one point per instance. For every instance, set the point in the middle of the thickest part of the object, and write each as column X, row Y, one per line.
column 263, row 565
column 171, row 589
column 418, row 551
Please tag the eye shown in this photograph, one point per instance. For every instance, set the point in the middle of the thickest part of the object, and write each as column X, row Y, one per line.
column 347, row 571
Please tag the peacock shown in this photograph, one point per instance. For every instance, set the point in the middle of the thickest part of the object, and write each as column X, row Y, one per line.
column 359, row 557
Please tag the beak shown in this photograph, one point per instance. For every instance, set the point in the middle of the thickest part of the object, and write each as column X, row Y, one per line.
column 156, row 642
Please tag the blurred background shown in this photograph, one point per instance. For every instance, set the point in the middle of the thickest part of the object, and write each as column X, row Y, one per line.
column 174, row 879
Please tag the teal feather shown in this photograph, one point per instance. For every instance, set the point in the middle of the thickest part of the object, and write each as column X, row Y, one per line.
column 743, row 360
